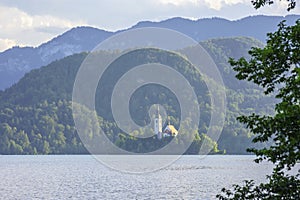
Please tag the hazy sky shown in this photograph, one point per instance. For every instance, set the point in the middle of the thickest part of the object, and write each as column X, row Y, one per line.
column 32, row 22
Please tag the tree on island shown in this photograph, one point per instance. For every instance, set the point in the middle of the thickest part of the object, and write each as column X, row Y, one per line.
column 276, row 68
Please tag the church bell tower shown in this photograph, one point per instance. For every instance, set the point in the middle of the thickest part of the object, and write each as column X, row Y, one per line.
column 158, row 124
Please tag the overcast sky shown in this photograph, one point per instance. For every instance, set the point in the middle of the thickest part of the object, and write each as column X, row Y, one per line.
column 32, row 22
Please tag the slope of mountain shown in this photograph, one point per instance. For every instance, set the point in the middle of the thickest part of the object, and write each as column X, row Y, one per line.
column 15, row 62
column 36, row 115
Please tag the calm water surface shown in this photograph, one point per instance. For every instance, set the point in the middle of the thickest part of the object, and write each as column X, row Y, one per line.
column 83, row 177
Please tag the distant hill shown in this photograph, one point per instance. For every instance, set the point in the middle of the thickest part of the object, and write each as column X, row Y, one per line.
column 15, row 62
column 203, row 29
column 36, row 115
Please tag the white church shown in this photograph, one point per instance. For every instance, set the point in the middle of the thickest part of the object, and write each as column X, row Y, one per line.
column 169, row 131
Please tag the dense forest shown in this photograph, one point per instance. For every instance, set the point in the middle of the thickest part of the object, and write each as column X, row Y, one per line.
column 36, row 113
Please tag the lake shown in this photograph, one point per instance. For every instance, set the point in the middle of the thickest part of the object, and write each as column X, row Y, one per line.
column 83, row 177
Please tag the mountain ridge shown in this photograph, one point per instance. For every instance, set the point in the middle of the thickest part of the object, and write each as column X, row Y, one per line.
column 15, row 62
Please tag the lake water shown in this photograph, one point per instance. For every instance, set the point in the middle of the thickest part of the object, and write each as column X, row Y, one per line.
column 83, row 177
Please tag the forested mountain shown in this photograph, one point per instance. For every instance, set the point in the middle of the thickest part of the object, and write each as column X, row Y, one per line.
column 15, row 62
column 36, row 115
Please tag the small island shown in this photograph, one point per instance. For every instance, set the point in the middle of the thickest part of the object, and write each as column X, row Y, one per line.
column 169, row 131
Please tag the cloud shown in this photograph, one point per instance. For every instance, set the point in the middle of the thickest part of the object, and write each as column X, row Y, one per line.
column 13, row 18
column 219, row 4
column 18, row 27
column 279, row 8
column 211, row 4
column 178, row 2
column 6, row 43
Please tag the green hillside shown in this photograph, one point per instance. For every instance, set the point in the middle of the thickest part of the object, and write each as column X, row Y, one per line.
column 36, row 113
